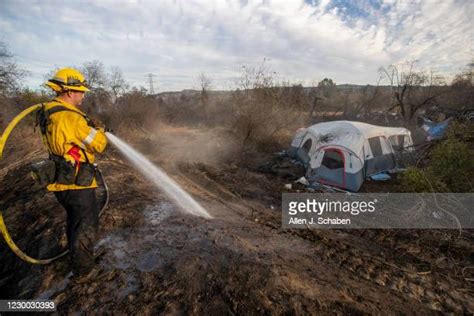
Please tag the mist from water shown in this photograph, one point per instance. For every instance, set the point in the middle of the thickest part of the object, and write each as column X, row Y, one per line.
column 159, row 178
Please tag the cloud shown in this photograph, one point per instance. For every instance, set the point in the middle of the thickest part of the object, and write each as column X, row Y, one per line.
column 176, row 40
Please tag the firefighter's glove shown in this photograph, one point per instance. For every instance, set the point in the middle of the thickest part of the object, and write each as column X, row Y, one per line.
column 98, row 124
column 109, row 130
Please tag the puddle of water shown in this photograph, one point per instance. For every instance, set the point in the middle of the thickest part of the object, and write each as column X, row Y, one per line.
column 149, row 261
column 120, row 257
column 121, row 260
column 119, row 254
column 157, row 213
column 129, row 248
column 137, row 247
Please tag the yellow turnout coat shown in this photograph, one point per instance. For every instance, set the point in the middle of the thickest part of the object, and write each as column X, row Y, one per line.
column 68, row 129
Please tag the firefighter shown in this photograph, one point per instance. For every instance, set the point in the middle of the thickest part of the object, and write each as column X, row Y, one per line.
column 72, row 140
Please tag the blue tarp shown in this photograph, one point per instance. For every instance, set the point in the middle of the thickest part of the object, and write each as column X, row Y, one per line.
column 435, row 130
column 382, row 176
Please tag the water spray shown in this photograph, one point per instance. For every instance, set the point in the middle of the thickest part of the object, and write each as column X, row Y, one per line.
column 159, row 178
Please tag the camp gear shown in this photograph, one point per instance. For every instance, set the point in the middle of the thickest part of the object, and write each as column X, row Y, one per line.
column 43, row 171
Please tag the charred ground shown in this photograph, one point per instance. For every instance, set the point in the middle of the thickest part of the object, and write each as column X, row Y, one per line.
column 157, row 259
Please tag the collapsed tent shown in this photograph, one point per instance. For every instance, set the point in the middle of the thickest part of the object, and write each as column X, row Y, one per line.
column 344, row 153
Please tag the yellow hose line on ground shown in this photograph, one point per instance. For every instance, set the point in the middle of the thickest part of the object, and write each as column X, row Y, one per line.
column 17, row 250
column 3, row 227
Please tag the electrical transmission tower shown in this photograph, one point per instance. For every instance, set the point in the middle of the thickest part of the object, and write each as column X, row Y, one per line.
column 150, row 82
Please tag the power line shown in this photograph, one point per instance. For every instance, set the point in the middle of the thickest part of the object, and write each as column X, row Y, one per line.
column 150, row 82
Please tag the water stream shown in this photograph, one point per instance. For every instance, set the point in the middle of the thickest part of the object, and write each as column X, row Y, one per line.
column 159, row 178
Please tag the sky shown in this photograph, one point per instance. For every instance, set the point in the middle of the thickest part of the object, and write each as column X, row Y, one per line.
column 299, row 41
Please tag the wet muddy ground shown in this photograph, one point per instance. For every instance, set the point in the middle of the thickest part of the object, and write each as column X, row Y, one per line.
column 157, row 259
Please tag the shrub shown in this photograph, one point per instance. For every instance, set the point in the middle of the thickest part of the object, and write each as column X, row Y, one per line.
column 264, row 109
column 419, row 180
column 452, row 163
column 450, row 169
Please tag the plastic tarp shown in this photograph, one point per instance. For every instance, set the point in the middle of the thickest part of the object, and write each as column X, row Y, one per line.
column 435, row 130
column 382, row 176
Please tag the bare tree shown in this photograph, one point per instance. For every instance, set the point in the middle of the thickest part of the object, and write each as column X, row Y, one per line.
column 116, row 83
column 50, row 74
column 461, row 91
column 95, row 74
column 10, row 74
column 413, row 89
column 205, row 84
column 98, row 102
column 315, row 98
column 333, row 99
column 368, row 97
column 262, row 107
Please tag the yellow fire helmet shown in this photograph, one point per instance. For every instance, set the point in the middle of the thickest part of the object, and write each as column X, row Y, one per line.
column 66, row 79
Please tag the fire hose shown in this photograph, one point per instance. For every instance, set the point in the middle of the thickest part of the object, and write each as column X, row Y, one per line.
column 3, row 228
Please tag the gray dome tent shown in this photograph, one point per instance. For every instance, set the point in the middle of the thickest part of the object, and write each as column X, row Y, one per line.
column 344, row 153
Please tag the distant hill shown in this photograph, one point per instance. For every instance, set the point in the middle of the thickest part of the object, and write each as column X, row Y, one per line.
column 191, row 93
